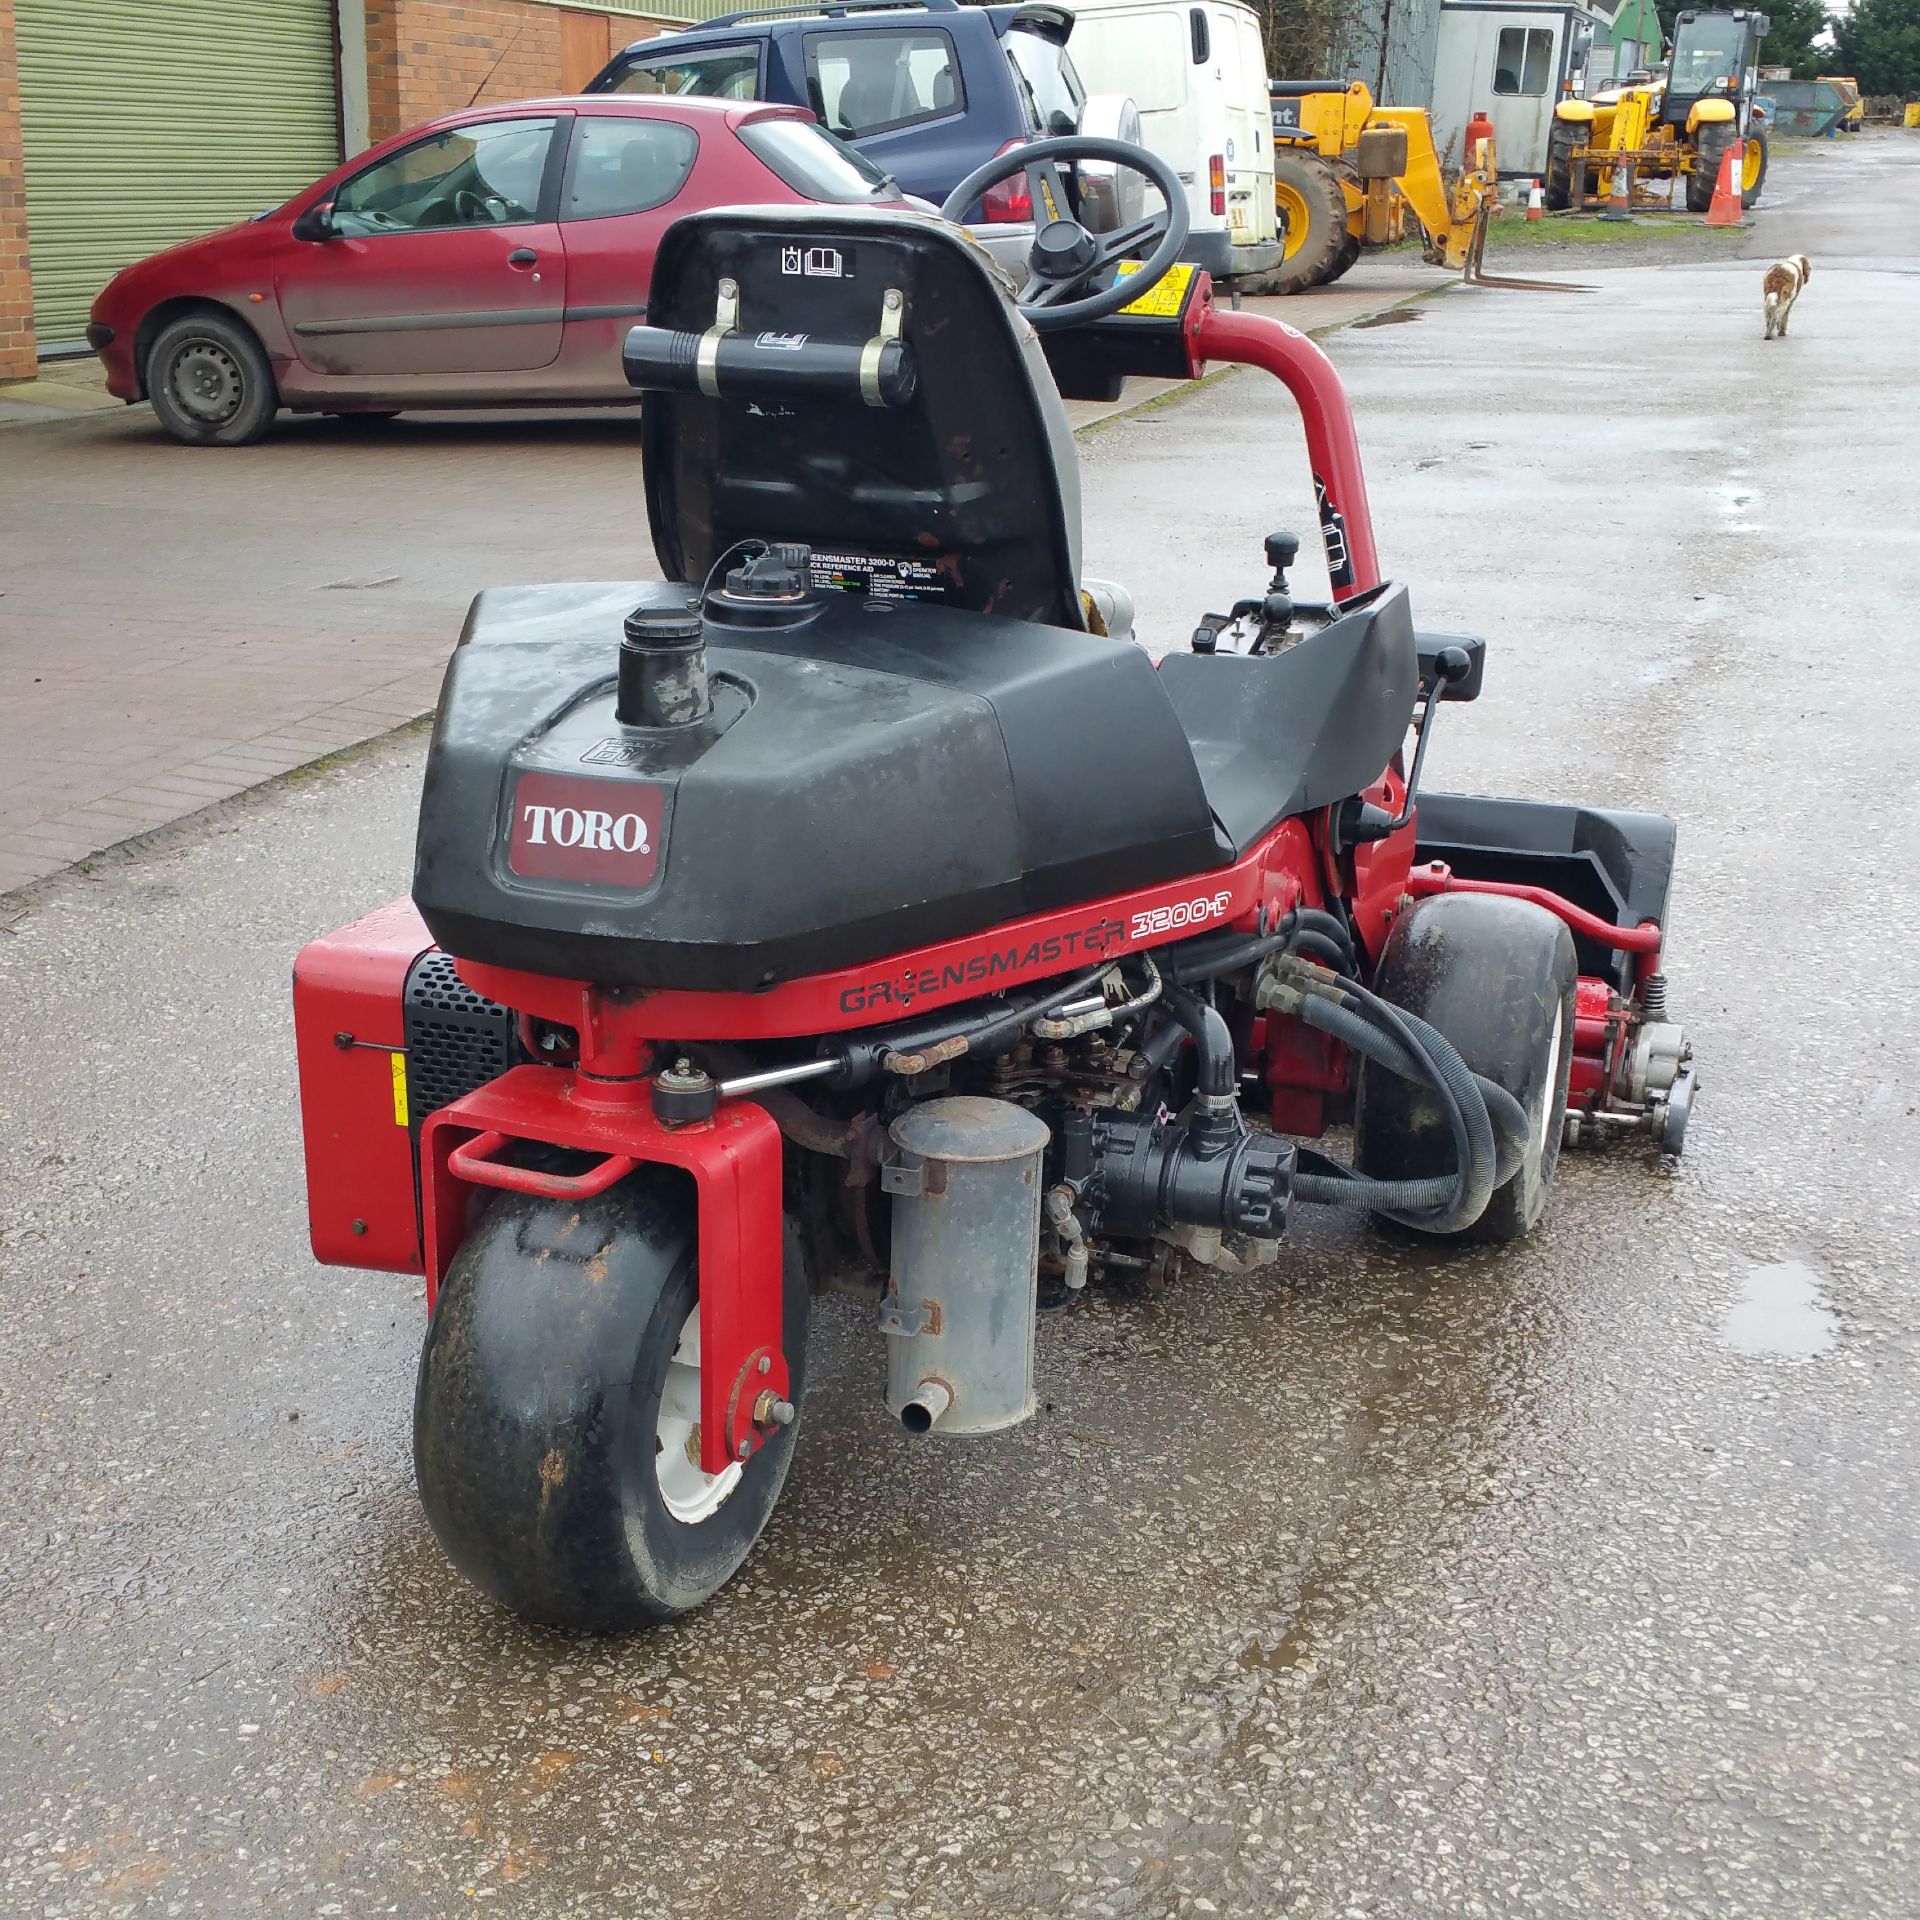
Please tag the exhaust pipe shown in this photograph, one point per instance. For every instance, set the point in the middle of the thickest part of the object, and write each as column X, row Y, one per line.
column 930, row 1400
column 964, row 1173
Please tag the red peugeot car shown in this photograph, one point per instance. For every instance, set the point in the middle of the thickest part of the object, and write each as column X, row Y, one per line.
column 493, row 258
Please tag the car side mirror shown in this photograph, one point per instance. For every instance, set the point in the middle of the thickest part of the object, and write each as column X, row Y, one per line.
column 1060, row 123
column 316, row 223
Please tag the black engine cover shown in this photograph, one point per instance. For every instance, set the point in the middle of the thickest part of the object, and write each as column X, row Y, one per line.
column 877, row 777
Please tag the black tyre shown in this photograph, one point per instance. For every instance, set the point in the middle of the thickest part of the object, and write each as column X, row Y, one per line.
column 1557, row 185
column 209, row 381
column 1314, row 208
column 1348, row 255
column 1715, row 139
column 555, row 1422
column 1497, row 977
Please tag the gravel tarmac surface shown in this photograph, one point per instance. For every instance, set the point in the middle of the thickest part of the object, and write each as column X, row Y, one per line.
column 1576, row 1578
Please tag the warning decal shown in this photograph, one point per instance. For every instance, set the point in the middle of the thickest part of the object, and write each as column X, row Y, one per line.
column 880, row 576
column 1166, row 298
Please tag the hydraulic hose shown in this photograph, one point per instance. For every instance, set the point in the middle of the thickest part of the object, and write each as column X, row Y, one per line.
column 912, row 1050
column 1206, row 959
column 1466, row 1111
column 1404, row 1045
column 1506, row 1115
column 1326, row 1181
column 1212, row 1041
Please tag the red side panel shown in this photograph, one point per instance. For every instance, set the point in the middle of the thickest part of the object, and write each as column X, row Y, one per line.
column 350, row 1038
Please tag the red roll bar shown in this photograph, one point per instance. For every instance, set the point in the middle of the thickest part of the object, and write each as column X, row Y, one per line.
column 1333, row 448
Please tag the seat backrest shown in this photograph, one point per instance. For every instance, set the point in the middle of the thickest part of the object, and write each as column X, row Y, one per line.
column 964, row 489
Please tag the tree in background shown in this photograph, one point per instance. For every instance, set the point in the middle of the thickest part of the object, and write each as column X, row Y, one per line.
column 1300, row 34
column 1789, row 43
column 1879, row 44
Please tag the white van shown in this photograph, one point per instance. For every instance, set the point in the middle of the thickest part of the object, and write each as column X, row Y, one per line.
column 1199, row 77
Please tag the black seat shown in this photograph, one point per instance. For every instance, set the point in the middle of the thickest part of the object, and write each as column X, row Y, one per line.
column 970, row 482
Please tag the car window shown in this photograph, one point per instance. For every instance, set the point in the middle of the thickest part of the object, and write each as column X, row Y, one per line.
column 624, row 165
column 722, row 73
column 484, row 175
column 861, row 83
column 815, row 163
column 1044, row 74
column 1521, row 60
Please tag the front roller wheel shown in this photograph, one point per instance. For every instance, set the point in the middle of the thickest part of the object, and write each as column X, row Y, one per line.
column 1498, row 978
column 556, row 1421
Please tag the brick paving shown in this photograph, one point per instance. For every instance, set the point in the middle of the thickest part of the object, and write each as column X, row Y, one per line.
column 178, row 625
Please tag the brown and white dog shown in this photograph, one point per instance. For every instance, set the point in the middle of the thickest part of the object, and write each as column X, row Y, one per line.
column 1781, row 289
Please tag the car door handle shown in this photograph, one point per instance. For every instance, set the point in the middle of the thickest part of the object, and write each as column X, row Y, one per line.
column 522, row 257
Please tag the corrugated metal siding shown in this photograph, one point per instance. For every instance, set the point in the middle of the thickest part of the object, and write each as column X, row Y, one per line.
column 708, row 9
column 145, row 122
column 1410, row 30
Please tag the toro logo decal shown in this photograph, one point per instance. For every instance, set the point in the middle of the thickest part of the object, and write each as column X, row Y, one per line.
column 604, row 831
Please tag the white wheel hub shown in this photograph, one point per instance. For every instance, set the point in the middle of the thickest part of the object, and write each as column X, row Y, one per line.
column 687, row 1490
column 1553, row 1081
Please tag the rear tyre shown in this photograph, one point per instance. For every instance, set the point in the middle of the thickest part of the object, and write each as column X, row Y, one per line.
column 1497, row 977
column 1714, row 141
column 209, row 382
column 556, row 1416
column 1313, row 209
column 1753, row 168
column 1348, row 255
column 1557, row 186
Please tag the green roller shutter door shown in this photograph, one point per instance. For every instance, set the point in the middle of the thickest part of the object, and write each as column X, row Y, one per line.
column 145, row 122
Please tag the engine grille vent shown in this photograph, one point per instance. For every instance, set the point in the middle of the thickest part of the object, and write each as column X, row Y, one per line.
column 456, row 1039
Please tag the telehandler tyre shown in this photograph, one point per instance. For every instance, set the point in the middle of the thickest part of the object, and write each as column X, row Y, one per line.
column 1557, row 186
column 1315, row 210
column 1714, row 141
column 556, row 1420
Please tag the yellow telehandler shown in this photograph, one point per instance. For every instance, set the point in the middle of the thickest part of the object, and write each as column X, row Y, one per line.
column 1346, row 173
column 1683, row 121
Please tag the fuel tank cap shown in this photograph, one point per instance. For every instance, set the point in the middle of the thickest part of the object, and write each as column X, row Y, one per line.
column 772, row 588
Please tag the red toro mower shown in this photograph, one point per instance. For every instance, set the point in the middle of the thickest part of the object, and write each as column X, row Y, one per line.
column 862, row 900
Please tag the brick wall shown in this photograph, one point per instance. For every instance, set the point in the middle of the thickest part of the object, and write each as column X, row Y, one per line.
column 16, row 286
column 429, row 57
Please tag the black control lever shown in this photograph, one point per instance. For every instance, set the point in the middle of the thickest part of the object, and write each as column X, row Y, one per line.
column 1360, row 820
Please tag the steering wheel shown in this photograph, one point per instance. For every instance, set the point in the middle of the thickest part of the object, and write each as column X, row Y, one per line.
column 1065, row 258
column 471, row 208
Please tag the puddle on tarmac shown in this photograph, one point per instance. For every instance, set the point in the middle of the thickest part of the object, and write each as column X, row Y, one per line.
column 1780, row 1312
column 1393, row 317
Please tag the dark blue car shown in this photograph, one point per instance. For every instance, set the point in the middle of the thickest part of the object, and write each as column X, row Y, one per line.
column 926, row 91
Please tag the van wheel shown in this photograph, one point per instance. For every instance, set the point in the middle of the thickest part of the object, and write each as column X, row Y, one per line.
column 209, row 382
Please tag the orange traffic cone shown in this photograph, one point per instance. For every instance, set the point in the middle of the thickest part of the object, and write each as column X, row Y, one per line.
column 1725, row 211
column 1536, row 202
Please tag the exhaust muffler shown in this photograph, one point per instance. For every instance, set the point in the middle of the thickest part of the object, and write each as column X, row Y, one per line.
column 959, row 1313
